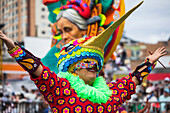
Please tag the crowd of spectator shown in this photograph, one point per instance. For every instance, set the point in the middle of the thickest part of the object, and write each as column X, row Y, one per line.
column 25, row 101
column 157, row 92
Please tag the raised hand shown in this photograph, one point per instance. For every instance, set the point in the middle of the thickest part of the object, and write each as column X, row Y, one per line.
column 147, row 107
column 157, row 54
column 9, row 43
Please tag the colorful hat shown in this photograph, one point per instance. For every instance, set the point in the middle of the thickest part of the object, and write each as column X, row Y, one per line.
column 88, row 48
column 76, row 52
column 81, row 7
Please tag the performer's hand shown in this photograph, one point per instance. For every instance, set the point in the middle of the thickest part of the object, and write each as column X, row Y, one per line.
column 2, row 36
column 147, row 107
column 157, row 54
column 9, row 43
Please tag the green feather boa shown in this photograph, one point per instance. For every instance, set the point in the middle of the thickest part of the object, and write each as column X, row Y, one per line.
column 98, row 93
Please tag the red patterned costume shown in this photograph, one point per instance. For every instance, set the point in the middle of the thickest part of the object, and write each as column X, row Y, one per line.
column 63, row 99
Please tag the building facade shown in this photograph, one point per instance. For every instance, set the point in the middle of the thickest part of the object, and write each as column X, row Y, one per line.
column 137, row 52
column 24, row 18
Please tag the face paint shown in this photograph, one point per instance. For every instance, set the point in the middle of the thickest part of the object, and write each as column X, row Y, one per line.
column 88, row 66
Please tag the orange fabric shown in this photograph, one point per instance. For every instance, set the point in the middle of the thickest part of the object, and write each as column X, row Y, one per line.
column 92, row 29
column 11, row 67
column 113, row 57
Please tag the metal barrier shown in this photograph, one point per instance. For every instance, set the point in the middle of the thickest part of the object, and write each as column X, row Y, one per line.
column 43, row 107
column 24, row 107
column 134, row 107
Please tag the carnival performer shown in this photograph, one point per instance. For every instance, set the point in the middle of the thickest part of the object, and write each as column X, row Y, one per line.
column 78, row 18
column 77, row 87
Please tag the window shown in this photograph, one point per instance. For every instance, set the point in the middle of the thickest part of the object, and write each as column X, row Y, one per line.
column 43, row 9
column 43, row 32
column 13, row 28
column 42, row 16
column 7, row 8
column 12, row 13
column 3, row 3
column 16, row 19
column 12, row 6
column 165, row 43
column 12, row 35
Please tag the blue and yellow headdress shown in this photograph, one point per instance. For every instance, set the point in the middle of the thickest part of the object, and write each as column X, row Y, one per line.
column 77, row 51
column 88, row 48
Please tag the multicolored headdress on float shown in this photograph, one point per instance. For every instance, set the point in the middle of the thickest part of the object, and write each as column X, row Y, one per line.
column 88, row 48
column 99, row 14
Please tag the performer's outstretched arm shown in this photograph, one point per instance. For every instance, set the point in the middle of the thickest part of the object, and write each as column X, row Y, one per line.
column 143, row 70
column 36, row 68
column 35, row 64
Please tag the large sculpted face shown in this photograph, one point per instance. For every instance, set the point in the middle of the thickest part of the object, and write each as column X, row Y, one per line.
column 68, row 30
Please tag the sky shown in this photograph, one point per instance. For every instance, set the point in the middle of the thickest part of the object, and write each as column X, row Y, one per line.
column 150, row 23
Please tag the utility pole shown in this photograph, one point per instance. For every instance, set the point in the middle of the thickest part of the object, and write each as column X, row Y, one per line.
column 1, row 59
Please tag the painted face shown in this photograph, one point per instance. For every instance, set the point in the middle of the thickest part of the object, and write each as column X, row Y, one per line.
column 88, row 75
column 68, row 30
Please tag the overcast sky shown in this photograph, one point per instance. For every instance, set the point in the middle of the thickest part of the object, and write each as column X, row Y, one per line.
column 150, row 22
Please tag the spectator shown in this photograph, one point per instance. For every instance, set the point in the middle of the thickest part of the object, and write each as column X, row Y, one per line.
column 167, row 108
column 108, row 69
column 143, row 88
column 123, row 54
column 164, row 97
column 166, row 82
column 24, row 89
column 140, row 96
column 156, row 94
column 31, row 95
column 150, row 96
column 161, row 88
column 150, row 85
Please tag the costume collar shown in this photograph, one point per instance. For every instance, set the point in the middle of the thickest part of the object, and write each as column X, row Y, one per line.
column 98, row 93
